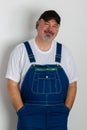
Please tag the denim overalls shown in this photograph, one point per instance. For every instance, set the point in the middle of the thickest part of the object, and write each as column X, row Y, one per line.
column 43, row 93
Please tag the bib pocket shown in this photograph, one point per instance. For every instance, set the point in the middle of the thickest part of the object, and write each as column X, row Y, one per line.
column 46, row 83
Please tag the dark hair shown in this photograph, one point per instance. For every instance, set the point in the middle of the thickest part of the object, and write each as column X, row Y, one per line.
column 50, row 14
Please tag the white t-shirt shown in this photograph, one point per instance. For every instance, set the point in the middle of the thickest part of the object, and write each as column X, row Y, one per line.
column 19, row 62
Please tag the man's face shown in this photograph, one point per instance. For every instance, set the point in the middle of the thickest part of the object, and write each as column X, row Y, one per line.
column 47, row 30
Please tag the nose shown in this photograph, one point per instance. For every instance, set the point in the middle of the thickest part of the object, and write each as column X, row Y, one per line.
column 50, row 28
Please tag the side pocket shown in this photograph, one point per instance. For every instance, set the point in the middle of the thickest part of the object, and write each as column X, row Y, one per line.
column 20, row 110
column 67, row 108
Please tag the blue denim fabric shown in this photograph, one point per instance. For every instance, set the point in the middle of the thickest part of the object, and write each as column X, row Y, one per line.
column 43, row 117
column 43, row 92
column 44, row 84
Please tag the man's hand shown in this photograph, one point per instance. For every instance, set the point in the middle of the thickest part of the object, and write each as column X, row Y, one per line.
column 71, row 94
column 14, row 92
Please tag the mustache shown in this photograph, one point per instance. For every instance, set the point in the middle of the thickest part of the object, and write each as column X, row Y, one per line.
column 48, row 31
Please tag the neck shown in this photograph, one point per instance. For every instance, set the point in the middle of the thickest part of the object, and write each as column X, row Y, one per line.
column 43, row 45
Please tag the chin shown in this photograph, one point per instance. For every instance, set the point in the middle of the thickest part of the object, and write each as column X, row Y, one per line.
column 47, row 39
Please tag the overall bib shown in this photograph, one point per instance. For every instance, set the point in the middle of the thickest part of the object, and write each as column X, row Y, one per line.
column 43, row 92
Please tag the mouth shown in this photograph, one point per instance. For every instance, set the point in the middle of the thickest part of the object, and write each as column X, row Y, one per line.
column 48, row 32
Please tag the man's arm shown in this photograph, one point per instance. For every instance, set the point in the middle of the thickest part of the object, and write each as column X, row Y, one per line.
column 14, row 93
column 71, row 94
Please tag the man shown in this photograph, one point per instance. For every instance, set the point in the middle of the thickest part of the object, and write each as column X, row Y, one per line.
column 42, row 79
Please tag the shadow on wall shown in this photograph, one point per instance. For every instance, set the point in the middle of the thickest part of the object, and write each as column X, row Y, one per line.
column 23, row 22
column 9, row 114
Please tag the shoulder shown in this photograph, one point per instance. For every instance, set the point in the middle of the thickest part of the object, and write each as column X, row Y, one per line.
column 65, row 49
column 20, row 48
column 67, row 57
column 66, row 52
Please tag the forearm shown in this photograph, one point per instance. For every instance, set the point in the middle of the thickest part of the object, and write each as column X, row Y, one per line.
column 14, row 93
column 71, row 94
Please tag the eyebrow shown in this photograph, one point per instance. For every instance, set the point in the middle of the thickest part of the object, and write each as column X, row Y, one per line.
column 49, row 22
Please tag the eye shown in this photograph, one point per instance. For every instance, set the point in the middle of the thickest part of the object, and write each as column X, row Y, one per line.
column 55, row 26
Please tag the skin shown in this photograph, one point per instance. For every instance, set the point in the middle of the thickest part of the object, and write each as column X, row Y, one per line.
column 46, row 32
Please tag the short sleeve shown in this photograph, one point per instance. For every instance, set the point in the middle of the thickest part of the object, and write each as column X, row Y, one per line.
column 14, row 65
column 69, row 65
column 72, row 70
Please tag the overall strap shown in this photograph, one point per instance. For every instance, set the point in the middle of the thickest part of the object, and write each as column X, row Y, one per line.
column 58, row 52
column 29, row 52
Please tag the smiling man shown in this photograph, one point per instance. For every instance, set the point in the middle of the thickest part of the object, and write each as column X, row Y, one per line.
column 42, row 78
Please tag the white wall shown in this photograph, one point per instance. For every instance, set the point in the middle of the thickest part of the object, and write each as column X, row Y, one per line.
column 17, row 24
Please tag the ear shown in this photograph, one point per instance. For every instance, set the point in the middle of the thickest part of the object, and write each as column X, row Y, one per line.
column 37, row 24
